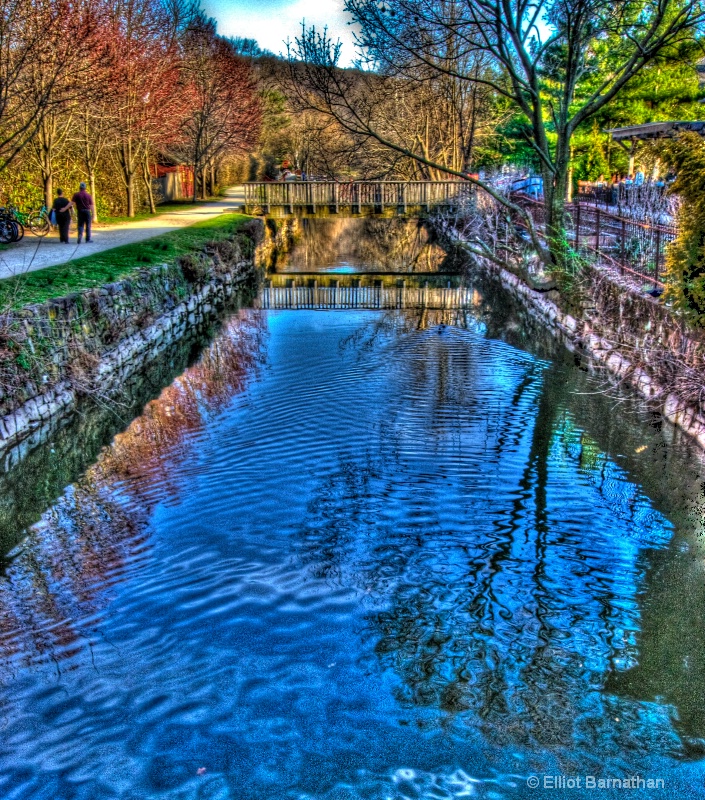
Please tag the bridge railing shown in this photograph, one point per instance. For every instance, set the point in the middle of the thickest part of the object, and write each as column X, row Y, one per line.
column 357, row 194
column 370, row 297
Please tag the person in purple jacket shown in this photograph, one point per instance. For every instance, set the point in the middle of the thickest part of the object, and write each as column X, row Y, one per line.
column 83, row 203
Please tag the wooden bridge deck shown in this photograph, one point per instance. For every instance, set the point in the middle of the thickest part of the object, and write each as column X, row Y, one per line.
column 356, row 196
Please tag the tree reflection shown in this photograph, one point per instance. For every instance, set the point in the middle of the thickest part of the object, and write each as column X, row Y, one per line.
column 71, row 558
column 671, row 663
column 506, row 612
column 367, row 243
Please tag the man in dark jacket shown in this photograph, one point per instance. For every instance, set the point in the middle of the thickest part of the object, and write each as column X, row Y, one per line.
column 83, row 203
column 63, row 218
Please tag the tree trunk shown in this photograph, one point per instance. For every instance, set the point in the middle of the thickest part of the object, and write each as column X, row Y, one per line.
column 194, row 193
column 147, row 178
column 48, row 181
column 203, row 183
column 212, row 179
column 91, row 183
column 130, row 186
column 555, row 185
column 127, row 162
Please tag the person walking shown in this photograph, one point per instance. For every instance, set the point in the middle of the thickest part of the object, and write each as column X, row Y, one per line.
column 83, row 203
column 62, row 214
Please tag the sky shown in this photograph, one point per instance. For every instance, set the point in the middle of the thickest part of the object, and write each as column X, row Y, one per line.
column 271, row 22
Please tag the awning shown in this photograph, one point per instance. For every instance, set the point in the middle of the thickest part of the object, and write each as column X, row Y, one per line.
column 656, row 130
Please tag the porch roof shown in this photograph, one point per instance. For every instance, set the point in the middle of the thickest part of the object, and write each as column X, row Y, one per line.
column 655, row 130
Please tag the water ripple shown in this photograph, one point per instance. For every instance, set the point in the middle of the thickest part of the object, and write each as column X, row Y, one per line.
column 346, row 559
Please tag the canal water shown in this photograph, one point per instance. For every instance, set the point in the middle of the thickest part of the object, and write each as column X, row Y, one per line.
column 402, row 553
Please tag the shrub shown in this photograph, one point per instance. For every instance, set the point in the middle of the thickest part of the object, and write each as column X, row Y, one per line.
column 194, row 267
column 685, row 258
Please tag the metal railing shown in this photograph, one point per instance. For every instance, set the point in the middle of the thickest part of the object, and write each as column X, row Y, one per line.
column 636, row 248
column 370, row 297
column 356, row 195
column 618, row 195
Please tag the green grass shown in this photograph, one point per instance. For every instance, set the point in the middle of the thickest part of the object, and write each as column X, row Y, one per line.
column 112, row 265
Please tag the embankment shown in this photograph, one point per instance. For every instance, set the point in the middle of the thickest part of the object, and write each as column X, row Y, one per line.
column 614, row 326
column 89, row 344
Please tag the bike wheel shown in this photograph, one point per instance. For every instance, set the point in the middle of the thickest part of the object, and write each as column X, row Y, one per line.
column 7, row 231
column 39, row 224
column 19, row 234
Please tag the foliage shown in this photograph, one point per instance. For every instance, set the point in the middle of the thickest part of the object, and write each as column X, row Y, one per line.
column 668, row 88
column 685, row 258
column 18, row 188
column 592, row 163
column 102, row 90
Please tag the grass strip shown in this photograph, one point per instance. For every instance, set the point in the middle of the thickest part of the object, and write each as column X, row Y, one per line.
column 112, row 265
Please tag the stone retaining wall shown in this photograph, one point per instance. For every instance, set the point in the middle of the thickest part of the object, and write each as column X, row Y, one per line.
column 88, row 343
column 633, row 336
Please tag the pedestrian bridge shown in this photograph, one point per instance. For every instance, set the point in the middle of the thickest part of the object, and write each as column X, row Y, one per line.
column 355, row 197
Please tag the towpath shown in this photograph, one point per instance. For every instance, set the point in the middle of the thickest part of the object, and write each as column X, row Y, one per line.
column 34, row 252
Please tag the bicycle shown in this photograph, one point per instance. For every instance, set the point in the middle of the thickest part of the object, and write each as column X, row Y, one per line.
column 37, row 221
column 11, row 229
column 40, row 222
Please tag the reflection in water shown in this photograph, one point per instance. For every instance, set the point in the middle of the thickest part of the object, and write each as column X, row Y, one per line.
column 364, row 555
column 83, row 542
column 350, row 244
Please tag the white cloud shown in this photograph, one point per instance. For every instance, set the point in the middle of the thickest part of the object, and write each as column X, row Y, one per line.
column 272, row 23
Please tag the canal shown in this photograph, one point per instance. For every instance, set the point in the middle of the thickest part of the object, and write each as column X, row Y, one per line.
column 357, row 553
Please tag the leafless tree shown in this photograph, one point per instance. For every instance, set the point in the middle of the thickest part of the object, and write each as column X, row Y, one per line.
column 225, row 110
column 41, row 44
column 554, row 62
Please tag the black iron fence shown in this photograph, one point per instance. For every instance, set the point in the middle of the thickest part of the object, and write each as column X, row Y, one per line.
column 611, row 195
column 636, row 248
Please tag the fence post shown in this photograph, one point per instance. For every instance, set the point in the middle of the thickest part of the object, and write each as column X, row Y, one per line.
column 622, row 249
column 577, row 223
column 657, row 261
column 597, row 229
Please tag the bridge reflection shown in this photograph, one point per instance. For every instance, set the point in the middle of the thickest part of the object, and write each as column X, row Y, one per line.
column 367, row 291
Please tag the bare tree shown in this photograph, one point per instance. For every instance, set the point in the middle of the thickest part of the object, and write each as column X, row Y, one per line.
column 41, row 44
column 144, row 76
column 224, row 107
column 554, row 62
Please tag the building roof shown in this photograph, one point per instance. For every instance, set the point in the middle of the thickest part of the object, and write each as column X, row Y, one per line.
column 656, row 130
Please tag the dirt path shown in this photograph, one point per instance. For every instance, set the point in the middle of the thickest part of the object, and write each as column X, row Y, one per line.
column 34, row 252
